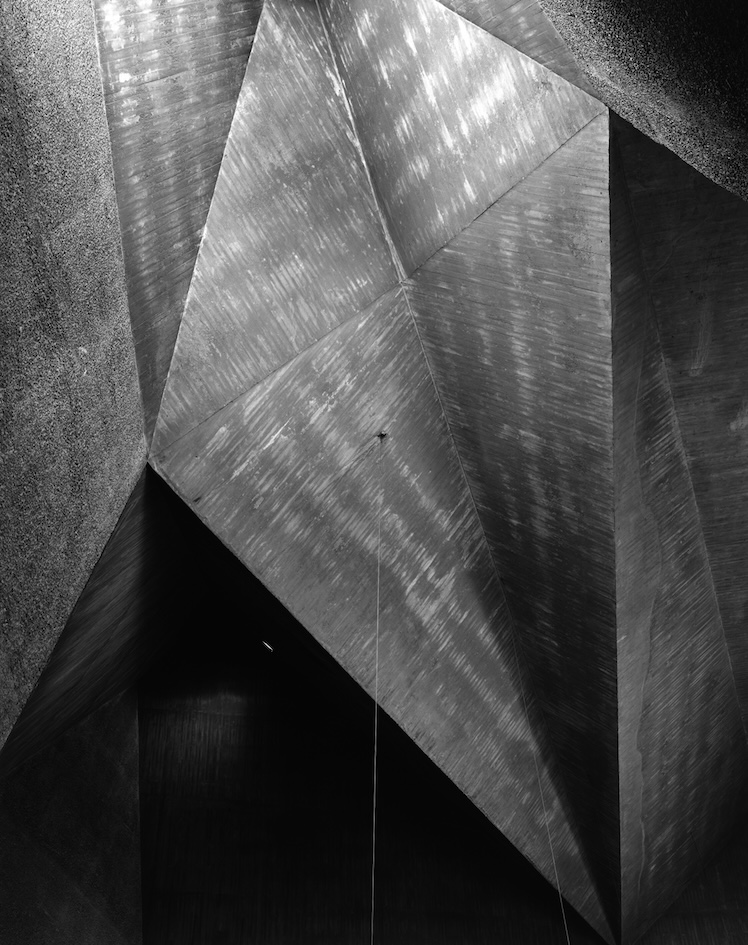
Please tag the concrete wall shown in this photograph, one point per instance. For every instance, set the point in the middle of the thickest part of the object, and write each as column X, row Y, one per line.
column 71, row 443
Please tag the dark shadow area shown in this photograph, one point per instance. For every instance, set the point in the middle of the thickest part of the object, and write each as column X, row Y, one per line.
column 69, row 840
column 130, row 609
column 256, row 798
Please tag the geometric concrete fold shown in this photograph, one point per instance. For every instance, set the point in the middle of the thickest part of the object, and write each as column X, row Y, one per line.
column 449, row 117
column 538, row 328
column 515, row 319
column 293, row 244
column 525, row 26
column 290, row 477
column 171, row 73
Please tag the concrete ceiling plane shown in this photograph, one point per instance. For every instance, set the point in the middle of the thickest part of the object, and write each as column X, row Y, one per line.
column 171, row 73
column 449, row 117
column 294, row 243
column 524, row 25
column 289, row 477
column 694, row 252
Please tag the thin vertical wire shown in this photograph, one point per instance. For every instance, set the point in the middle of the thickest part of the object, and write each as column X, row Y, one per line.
column 542, row 795
column 376, row 686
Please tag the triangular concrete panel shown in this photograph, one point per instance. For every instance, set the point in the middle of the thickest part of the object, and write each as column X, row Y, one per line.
column 294, row 243
column 449, row 117
column 171, row 79
column 290, row 476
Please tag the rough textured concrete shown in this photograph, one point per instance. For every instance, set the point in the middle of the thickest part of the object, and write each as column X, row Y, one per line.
column 72, row 443
column 675, row 69
column 69, row 838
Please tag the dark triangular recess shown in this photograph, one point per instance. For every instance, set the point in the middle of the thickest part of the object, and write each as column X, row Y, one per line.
column 256, row 799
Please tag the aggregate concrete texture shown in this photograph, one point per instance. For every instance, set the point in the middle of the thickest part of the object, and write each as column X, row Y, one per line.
column 675, row 69
column 71, row 440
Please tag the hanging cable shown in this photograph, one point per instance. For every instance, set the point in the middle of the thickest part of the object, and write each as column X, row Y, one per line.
column 542, row 795
column 381, row 438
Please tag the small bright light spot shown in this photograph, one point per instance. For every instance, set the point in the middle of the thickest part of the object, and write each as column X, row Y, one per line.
column 267, row 645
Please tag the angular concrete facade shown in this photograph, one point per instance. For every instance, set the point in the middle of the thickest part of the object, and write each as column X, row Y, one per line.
column 418, row 231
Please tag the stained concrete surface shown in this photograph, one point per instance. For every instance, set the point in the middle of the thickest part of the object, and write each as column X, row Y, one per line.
column 71, row 445
column 70, row 837
column 675, row 69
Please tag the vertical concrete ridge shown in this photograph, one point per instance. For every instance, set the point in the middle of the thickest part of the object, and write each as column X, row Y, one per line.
column 202, row 237
column 682, row 775
column 335, row 59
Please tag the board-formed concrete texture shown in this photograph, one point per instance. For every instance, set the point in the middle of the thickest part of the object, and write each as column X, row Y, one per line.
column 458, row 378
column 72, row 428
